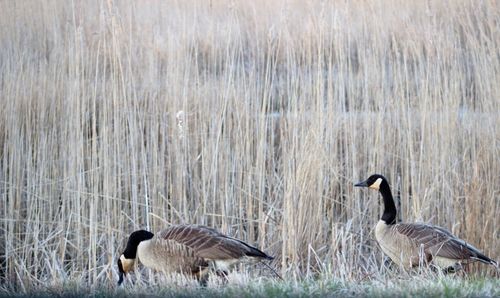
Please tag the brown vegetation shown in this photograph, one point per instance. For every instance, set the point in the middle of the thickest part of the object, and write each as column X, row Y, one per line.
column 253, row 118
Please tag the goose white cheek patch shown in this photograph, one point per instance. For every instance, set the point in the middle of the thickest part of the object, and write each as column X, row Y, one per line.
column 127, row 264
column 376, row 184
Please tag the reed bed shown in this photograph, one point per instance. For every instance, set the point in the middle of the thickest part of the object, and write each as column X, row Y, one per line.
column 255, row 118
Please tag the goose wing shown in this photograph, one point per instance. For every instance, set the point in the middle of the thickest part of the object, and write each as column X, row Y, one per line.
column 209, row 244
column 438, row 241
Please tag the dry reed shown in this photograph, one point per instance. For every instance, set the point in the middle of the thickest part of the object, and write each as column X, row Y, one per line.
column 255, row 118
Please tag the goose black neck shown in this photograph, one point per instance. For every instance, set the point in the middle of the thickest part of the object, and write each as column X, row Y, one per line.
column 134, row 240
column 389, row 215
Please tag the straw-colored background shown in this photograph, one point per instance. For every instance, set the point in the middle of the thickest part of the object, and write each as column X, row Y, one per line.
column 254, row 118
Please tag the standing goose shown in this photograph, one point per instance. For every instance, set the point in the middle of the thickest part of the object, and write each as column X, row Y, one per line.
column 404, row 243
column 189, row 249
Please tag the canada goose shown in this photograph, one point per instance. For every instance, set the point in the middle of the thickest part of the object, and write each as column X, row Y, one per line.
column 189, row 249
column 408, row 244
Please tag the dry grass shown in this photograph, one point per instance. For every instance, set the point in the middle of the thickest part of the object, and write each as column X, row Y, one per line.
column 253, row 118
column 443, row 287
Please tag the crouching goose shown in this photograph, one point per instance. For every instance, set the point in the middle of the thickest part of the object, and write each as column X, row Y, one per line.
column 189, row 249
column 412, row 244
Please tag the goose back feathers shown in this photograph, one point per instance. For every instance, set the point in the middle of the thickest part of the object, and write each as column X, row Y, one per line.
column 209, row 244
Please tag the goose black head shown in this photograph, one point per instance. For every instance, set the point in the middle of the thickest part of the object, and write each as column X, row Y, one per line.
column 373, row 182
column 127, row 259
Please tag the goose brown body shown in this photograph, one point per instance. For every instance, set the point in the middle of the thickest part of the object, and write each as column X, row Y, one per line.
column 410, row 245
column 189, row 249
column 169, row 256
column 413, row 244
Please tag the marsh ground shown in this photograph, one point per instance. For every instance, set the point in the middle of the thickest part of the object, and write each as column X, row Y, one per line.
column 414, row 287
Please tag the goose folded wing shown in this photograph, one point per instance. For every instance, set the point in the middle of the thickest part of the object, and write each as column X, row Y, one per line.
column 207, row 243
column 437, row 241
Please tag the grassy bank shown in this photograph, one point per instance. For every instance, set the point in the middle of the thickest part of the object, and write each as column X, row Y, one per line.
column 414, row 287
